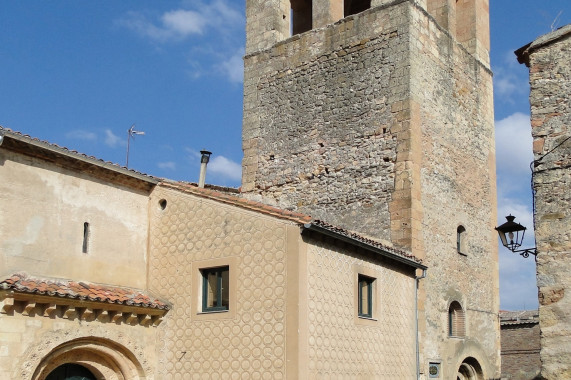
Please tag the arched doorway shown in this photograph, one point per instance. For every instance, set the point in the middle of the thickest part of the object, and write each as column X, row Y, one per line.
column 89, row 358
column 70, row 371
column 470, row 369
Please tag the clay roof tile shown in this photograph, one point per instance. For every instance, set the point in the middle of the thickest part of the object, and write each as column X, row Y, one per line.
column 21, row 282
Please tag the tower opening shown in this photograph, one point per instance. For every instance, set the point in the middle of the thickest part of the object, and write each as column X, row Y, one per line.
column 352, row 7
column 301, row 16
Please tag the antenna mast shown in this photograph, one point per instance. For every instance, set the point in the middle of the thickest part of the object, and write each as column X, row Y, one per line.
column 131, row 133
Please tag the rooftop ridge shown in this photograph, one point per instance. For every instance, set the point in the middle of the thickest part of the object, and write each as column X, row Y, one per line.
column 237, row 201
column 7, row 132
column 368, row 241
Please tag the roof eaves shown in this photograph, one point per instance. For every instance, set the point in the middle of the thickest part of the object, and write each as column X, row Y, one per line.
column 106, row 294
column 17, row 136
column 523, row 52
column 365, row 243
column 237, row 201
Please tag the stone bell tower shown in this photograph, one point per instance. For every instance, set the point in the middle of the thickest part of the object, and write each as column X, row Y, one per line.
column 377, row 116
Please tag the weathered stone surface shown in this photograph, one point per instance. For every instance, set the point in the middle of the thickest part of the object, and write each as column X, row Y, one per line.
column 550, row 78
column 382, row 123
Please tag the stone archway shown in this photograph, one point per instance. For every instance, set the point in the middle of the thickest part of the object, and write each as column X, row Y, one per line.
column 105, row 359
column 470, row 369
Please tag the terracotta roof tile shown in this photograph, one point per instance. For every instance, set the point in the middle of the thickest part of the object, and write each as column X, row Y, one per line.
column 237, row 201
column 519, row 317
column 366, row 240
column 21, row 282
column 302, row 219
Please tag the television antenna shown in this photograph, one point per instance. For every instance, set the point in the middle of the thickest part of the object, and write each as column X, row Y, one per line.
column 131, row 133
column 556, row 21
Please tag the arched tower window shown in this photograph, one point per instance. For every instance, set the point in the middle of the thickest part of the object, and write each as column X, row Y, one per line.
column 461, row 239
column 301, row 16
column 351, row 7
column 456, row 320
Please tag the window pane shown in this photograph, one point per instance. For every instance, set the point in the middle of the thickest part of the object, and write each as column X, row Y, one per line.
column 364, row 296
column 211, row 293
column 365, row 288
column 225, row 289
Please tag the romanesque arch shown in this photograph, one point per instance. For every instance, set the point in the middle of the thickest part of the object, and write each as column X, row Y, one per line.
column 104, row 358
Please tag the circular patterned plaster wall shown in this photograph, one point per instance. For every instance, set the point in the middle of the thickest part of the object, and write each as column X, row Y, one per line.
column 249, row 345
column 340, row 348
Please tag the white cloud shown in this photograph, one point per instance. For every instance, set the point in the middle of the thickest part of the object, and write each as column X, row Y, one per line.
column 518, row 286
column 194, row 154
column 183, row 23
column 81, row 135
column 211, row 31
column 233, row 68
column 223, row 169
column 138, row 23
column 510, row 79
column 226, row 168
column 169, row 165
column 112, row 140
column 179, row 24
column 514, row 144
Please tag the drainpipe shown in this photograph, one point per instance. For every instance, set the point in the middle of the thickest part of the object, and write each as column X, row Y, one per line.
column 416, row 311
column 203, row 162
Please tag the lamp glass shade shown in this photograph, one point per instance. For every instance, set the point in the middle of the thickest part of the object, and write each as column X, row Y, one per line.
column 511, row 233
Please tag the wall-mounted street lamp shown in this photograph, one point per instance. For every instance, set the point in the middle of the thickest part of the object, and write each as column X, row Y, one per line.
column 511, row 235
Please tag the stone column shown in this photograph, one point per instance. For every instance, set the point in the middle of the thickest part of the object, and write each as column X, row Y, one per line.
column 326, row 12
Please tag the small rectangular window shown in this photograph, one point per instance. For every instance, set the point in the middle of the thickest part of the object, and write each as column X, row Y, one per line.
column 365, row 285
column 215, row 289
column 85, row 244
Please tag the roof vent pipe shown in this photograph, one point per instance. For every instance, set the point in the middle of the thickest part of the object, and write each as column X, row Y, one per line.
column 1, row 137
column 203, row 162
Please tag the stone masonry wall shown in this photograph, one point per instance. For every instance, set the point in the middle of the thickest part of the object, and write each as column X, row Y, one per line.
column 550, row 79
column 321, row 118
column 452, row 111
column 520, row 351
column 383, row 123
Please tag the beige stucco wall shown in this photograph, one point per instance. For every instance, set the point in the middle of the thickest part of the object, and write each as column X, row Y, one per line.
column 249, row 340
column 293, row 311
column 43, row 208
column 340, row 344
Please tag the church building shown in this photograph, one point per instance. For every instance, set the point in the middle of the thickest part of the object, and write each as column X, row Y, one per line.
column 359, row 246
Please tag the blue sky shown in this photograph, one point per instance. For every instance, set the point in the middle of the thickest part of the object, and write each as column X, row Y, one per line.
column 79, row 73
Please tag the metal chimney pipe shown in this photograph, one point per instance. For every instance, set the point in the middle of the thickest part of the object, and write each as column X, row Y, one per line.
column 203, row 162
